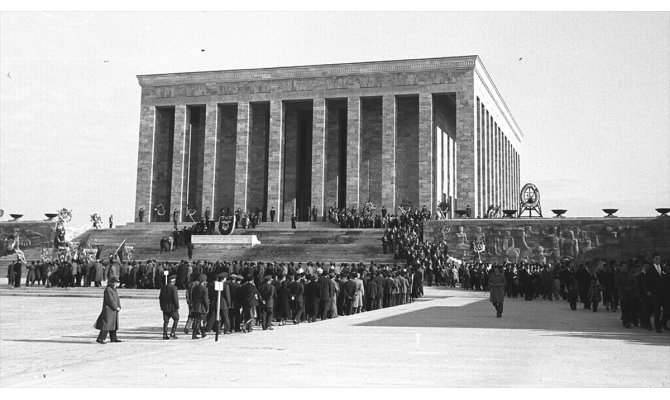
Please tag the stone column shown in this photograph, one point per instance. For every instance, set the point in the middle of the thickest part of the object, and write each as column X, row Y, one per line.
column 501, row 193
column 465, row 146
column 487, row 163
column 275, row 152
column 508, row 173
column 318, row 155
column 489, row 143
column 178, row 162
column 144, row 162
column 209, row 159
column 496, row 156
column 388, row 153
column 480, row 159
column 353, row 150
column 505, row 172
column 426, row 151
column 242, row 156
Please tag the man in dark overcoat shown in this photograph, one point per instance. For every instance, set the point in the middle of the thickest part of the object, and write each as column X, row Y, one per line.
column 17, row 273
column 496, row 283
column 653, row 287
column 624, row 281
column 108, row 320
column 312, row 294
column 199, row 306
column 169, row 301
column 234, row 309
column 348, row 288
column 182, row 276
column 326, row 293
column 248, row 296
column 371, row 294
column 295, row 290
column 267, row 294
column 223, row 306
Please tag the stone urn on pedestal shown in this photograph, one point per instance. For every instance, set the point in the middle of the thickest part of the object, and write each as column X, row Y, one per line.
column 559, row 213
column 610, row 212
column 50, row 216
column 509, row 213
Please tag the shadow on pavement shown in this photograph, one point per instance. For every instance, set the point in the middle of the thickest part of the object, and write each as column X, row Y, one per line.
column 91, row 340
column 533, row 315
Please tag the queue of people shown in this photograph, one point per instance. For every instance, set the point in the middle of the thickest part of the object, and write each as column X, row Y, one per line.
column 264, row 294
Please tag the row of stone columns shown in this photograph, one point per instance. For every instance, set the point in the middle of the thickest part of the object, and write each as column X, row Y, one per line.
column 499, row 164
column 426, row 144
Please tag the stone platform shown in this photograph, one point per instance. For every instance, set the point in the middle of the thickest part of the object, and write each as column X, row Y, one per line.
column 224, row 242
column 450, row 338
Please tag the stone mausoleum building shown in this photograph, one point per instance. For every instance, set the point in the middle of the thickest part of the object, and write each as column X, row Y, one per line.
column 289, row 138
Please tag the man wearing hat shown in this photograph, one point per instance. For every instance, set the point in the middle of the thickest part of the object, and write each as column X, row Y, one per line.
column 108, row 320
column 200, row 306
column 248, row 301
column 223, row 306
column 497, row 284
column 295, row 290
column 267, row 293
column 326, row 294
column 169, row 301
column 234, row 313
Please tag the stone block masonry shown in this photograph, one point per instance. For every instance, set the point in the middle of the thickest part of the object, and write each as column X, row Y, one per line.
column 326, row 135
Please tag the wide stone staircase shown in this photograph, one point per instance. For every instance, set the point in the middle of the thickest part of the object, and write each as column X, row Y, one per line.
column 310, row 241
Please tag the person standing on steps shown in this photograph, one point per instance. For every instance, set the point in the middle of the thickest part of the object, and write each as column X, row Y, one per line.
column 293, row 219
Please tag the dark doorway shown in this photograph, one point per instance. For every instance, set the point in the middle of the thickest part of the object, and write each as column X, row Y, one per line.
column 297, row 179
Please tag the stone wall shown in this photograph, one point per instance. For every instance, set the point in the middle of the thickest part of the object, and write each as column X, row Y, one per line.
column 550, row 239
column 32, row 234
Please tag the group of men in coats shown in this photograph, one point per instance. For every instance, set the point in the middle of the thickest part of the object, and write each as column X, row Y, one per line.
column 299, row 297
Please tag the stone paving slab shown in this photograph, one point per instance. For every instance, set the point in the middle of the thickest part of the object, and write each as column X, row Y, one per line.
column 450, row 338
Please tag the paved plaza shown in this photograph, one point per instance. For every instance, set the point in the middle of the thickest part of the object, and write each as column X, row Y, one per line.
column 450, row 338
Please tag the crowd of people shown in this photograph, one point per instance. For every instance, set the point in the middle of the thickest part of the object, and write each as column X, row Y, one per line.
column 256, row 294
column 641, row 286
column 264, row 294
column 65, row 272
column 354, row 218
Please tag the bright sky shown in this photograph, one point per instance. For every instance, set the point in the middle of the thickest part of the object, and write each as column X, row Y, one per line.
column 591, row 94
